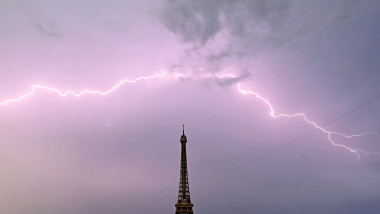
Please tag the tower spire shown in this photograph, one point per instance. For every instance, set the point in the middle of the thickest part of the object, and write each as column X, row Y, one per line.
column 183, row 205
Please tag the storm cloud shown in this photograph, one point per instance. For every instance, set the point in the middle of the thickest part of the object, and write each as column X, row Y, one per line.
column 231, row 33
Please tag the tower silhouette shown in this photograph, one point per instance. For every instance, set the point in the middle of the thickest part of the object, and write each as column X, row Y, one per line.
column 184, row 205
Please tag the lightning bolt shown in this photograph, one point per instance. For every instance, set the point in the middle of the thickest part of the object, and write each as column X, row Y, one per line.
column 330, row 134
column 37, row 87
column 312, row 123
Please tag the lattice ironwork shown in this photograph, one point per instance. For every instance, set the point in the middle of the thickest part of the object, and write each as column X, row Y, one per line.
column 184, row 205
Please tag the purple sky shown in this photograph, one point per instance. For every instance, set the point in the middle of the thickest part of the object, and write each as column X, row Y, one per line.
column 120, row 153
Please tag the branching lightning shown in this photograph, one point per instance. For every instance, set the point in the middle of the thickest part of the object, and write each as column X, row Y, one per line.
column 330, row 134
column 314, row 124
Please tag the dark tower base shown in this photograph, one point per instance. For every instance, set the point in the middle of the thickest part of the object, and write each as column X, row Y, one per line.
column 184, row 208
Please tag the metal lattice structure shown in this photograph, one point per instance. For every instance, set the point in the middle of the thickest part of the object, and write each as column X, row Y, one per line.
column 184, row 205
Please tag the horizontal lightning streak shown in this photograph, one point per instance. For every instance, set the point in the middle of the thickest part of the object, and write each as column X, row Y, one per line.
column 65, row 93
column 35, row 87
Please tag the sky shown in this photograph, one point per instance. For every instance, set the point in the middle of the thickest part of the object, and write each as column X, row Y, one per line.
column 314, row 63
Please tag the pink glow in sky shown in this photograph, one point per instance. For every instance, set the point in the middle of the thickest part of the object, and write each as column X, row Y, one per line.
column 309, row 70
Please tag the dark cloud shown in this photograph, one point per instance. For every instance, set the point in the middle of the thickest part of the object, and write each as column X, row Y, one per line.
column 45, row 28
column 351, row 9
column 254, row 23
column 220, row 33
column 193, row 21
column 201, row 21
column 38, row 20
column 225, row 33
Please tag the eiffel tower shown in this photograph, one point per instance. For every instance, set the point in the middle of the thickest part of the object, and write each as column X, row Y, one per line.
column 184, row 205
